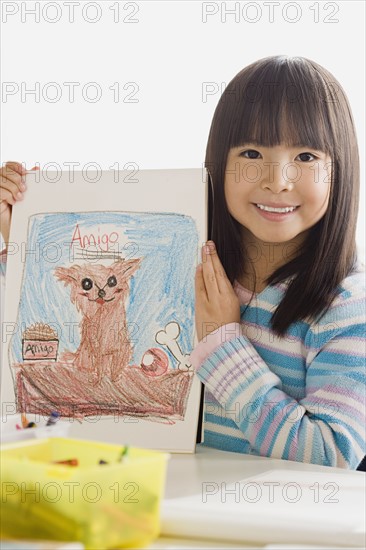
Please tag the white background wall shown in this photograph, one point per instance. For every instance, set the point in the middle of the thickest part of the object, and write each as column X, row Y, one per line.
column 161, row 55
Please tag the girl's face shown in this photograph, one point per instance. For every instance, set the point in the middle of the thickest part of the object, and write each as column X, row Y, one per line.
column 277, row 176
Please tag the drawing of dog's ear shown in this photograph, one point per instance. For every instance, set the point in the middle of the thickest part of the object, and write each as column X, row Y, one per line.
column 69, row 275
column 127, row 268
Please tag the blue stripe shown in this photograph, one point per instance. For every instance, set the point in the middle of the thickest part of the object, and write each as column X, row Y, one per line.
column 292, row 434
column 221, row 420
column 331, row 420
column 227, row 442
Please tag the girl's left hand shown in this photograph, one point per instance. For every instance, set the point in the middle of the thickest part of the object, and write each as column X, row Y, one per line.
column 216, row 302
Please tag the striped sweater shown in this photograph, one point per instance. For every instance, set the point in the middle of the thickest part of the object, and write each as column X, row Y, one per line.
column 300, row 397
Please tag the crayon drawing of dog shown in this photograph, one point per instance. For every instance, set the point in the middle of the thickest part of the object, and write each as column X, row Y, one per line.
column 100, row 293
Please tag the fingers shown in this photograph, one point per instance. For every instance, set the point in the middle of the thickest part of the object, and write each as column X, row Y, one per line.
column 15, row 166
column 209, row 275
column 216, row 301
column 200, row 288
column 215, row 268
column 12, row 181
column 12, row 185
column 7, row 196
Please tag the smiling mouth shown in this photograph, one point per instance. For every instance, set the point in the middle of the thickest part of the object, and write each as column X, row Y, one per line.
column 101, row 300
column 277, row 210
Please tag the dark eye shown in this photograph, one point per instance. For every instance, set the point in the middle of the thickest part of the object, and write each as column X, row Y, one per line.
column 87, row 284
column 250, row 154
column 304, row 157
column 112, row 281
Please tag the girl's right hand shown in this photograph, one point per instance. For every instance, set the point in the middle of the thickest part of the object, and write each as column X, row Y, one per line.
column 12, row 188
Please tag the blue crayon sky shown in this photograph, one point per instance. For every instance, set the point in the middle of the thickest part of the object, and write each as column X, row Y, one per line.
column 161, row 290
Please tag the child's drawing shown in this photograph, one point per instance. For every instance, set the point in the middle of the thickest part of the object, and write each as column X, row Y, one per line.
column 106, row 315
column 99, row 293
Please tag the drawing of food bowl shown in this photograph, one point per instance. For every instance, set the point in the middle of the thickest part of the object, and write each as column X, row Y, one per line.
column 39, row 343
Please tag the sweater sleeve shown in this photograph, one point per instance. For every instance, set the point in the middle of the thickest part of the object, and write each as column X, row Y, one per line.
column 326, row 426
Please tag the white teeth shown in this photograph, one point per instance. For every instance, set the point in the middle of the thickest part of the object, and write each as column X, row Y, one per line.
column 271, row 209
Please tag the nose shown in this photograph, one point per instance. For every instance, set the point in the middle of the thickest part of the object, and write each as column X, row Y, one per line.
column 101, row 293
column 278, row 176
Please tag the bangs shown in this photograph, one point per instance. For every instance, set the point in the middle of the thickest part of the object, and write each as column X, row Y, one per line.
column 294, row 102
column 286, row 103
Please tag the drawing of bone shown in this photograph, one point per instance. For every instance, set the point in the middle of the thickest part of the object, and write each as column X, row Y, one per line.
column 168, row 338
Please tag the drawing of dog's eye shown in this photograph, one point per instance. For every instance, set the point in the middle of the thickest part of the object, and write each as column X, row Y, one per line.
column 87, row 284
column 112, row 281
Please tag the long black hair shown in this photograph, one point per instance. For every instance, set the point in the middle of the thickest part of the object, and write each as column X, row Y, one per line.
column 295, row 101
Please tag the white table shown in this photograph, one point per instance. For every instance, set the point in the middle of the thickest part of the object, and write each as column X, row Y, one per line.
column 186, row 474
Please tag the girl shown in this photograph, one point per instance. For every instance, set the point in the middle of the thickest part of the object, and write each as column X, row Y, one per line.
column 280, row 299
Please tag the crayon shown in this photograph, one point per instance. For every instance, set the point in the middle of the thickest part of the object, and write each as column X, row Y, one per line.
column 69, row 462
column 31, row 425
column 18, row 427
column 123, row 454
column 25, row 421
column 54, row 417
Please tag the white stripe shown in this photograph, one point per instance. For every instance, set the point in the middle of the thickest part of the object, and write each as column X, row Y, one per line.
column 347, row 346
column 308, row 447
column 347, row 322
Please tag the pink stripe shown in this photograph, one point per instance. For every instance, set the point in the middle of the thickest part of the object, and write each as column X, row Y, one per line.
column 294, row 446
column 258, row 425
column 335, row 389
column 351, row 409
column 265, row 330
column 348, row 301
column 356, row 339
column 281, row 350
column 269, row 437
column 354, row 414
column 242, row 293
column 232, row 374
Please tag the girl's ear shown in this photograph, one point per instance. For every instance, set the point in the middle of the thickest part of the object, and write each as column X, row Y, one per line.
column 67, row 274
column 126, row 268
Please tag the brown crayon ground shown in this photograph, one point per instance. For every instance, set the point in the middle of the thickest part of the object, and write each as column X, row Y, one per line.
column 43, row 387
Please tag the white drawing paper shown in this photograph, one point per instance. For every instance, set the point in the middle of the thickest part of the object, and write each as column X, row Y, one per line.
column 99, row 309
